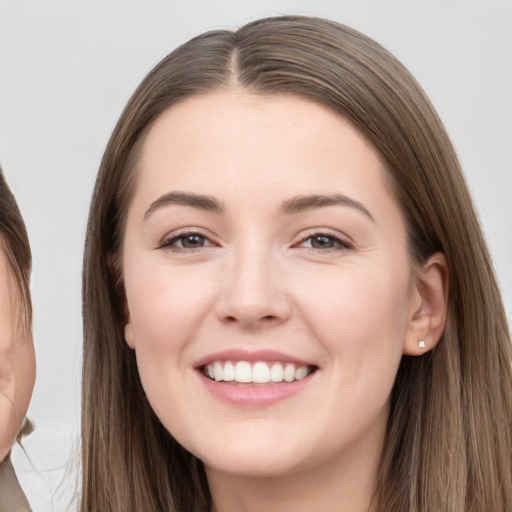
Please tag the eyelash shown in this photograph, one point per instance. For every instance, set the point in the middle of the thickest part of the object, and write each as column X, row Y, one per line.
column 338, row 243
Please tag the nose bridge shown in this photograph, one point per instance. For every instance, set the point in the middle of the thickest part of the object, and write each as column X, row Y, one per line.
column 252, row 291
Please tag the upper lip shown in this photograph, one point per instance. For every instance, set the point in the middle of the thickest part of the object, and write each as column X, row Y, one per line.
column 250, row 356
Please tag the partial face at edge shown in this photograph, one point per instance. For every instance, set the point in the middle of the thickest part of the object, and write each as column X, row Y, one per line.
column 261, row 231
column 17, row 360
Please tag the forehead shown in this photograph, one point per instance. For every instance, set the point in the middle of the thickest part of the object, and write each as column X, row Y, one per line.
column 235, row 142
column 223, row 119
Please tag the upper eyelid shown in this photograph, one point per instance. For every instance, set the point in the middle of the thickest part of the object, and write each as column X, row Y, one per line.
column 193, row 230
column 332, row 233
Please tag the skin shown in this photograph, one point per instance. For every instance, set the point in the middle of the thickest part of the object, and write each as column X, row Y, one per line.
column 259, row 280
column 17, row 360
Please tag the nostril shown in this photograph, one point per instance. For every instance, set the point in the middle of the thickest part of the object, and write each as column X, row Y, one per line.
column 265, row 319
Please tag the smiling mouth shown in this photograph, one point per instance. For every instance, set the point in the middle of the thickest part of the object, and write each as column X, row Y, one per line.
column 260, row 372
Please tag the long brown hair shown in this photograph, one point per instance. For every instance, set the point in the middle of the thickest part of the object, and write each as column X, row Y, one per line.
column 448, row 444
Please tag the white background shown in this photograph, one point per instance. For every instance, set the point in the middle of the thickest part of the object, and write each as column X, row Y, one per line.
column 68, row 67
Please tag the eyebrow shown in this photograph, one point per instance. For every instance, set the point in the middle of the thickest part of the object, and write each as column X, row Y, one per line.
column 289, row 207
column 206, row 203
column 313, row 202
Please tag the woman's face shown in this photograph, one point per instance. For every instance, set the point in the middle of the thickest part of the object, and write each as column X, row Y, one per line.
column 17, row 360
column 268, row 286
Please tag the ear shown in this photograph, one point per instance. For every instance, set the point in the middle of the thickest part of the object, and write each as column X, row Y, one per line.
column 114, row 268
column 429, row 306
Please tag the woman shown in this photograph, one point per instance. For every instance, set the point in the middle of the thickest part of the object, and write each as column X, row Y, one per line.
column 17, row 359
column 288, row 301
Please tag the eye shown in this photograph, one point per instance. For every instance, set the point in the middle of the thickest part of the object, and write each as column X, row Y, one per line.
column 324, row 241
column 188, row 241
column 191, row 241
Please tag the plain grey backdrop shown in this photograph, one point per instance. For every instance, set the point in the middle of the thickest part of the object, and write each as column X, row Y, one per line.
column 68, row 67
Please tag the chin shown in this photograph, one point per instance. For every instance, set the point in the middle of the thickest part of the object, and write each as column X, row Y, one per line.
column 258, row 467
column 262, row 459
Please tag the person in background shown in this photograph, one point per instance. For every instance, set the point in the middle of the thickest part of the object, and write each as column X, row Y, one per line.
column 17, row 358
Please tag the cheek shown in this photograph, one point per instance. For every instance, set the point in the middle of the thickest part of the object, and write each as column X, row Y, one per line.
column 165, row 306
column 359, row 315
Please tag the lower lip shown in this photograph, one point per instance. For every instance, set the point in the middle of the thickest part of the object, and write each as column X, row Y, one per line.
column 254, row 396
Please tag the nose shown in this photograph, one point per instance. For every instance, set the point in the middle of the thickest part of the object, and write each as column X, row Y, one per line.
column 253, row 295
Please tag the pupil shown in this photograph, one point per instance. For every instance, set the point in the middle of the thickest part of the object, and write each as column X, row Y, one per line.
column 192, row 241
column 321, row 242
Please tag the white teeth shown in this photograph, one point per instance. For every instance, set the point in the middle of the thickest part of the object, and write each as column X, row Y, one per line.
column 301, row 372
column 259, row 373
column 243, row 372
column 276, row 372
column 217, row 371
column 229, row 371
column 289, row 372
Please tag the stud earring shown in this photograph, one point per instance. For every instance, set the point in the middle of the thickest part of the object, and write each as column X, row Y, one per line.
column 422, row 344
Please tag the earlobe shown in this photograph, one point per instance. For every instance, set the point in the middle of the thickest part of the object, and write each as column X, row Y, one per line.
column 129, row 335
column 428, row 317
